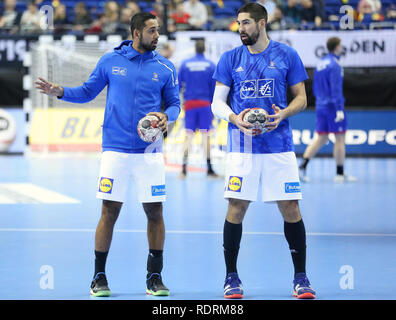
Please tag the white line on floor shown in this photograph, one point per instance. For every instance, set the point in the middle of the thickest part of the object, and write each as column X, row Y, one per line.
column 11, row 193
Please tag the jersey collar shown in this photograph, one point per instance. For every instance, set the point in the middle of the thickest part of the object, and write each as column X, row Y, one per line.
column 260, row 53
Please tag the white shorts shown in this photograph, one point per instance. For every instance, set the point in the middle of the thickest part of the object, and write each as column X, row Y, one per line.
column 118, row 169
column 276, row 173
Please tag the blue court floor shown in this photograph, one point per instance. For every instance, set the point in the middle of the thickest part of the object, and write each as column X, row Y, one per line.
column 48, row 216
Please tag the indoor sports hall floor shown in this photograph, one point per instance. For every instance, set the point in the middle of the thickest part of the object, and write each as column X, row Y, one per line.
column 49, row 214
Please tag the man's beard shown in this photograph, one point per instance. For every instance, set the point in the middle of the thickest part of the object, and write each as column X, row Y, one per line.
column 146, row 46
column 252, row 39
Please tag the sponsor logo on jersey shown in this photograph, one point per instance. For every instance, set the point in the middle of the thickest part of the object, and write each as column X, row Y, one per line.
column 248, row 89
column 265, row 88
column 105, row 185
column 292, row 187
column 158, row 190
column 120, row 71
column 260, row 88
column 234, row 184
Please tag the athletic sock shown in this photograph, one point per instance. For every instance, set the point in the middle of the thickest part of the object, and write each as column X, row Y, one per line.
column 304, row 163
column 340, row 170
column 232, row 235
column 154, row 261
column 296, row 238
column 100, row 261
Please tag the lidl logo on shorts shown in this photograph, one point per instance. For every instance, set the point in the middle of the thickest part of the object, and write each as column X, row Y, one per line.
column 235, row 184
column 292, row 187
column 158, row 190
column 106, row 185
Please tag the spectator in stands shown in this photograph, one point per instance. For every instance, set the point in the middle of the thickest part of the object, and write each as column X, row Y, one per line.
column 10, row 19
column 369, row 10
column 320, row 12
column 292, row 12
column 123, row 25
column 270, row 5
column 364, row 7
column 97, row 25
column 82, row 18
column 391, row 12
column 133, row 6
column 312, row 12
column 277, row 22
column 198, row 13
column 31, row 19
column 179, row 20
column 158, row 11
column 376, row 5
column 60, row 19
column 308, row 11
column 111, row 17
column 60, row 16
column 172, row 4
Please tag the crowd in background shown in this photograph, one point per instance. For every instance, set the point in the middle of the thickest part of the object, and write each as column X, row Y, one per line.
column 94, row 17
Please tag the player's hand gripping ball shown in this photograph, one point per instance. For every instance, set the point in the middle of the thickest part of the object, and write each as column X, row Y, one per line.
column 148, row 129
column 257, row 117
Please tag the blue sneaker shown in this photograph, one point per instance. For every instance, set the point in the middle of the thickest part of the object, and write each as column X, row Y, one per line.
column 233, row 286
column 302, row 287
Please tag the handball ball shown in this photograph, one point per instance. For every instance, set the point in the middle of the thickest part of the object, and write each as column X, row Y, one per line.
column 257, row 117
column 148, row 129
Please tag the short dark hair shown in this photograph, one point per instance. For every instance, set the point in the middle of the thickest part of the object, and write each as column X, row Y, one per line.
column 256, row 11
column 200, row 46
column 138, row 21
column 332, row 43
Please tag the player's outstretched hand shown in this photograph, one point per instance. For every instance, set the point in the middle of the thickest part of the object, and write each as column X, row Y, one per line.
column 245, row 127
column 275, row 119
column 163, row 120
column 49, row 88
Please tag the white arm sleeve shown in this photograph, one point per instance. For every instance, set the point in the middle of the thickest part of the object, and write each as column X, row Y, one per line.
column 220, row 108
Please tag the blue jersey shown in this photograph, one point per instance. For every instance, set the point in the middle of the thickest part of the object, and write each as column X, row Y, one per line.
column 195, row 76
column 137, row 84
column 259, row 81
column 327, row 84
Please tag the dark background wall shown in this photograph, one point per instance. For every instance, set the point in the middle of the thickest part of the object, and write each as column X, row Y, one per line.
column 11, row 88
column 373, row 87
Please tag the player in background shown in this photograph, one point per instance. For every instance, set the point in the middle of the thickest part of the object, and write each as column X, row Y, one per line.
column 138, row 80
column 257, row 74
column 330, row 113
column 197, row 86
